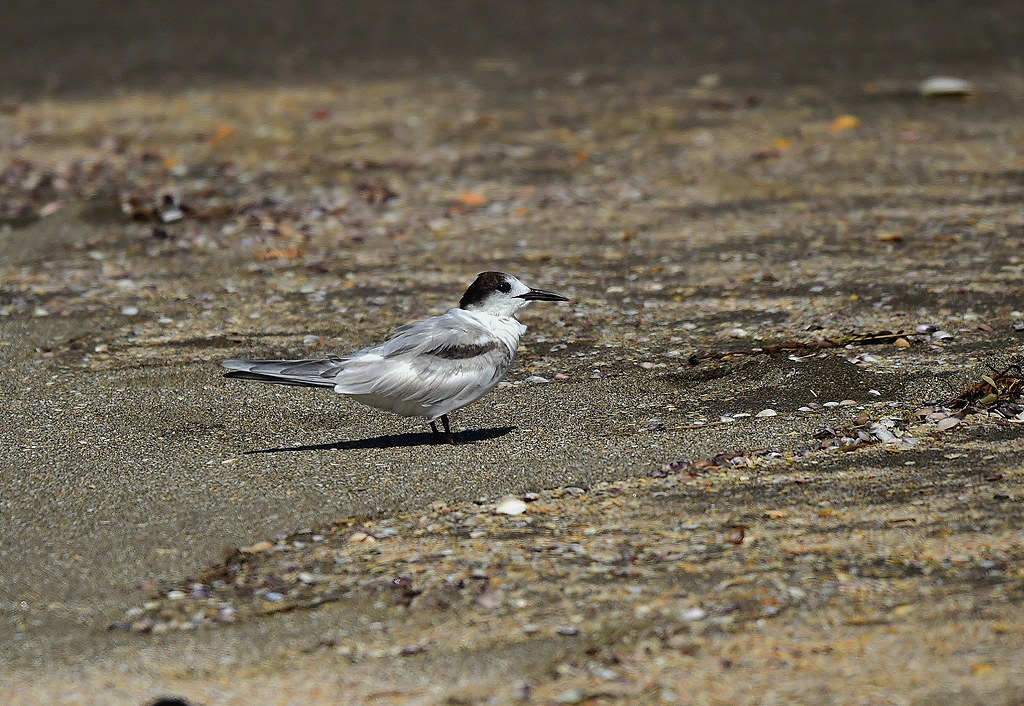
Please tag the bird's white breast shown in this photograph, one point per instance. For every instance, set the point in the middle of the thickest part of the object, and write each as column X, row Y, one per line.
column 507, row 329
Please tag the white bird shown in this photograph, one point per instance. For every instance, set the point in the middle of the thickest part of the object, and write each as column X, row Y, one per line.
column 427, row 368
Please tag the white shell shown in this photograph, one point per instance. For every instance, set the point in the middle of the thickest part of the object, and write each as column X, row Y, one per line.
column 945, row 86
column 510, row 505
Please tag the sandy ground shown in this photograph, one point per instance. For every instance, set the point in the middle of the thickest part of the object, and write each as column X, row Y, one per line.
column 167, row 531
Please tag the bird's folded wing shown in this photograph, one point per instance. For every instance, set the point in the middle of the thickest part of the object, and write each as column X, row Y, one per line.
column 446, row 359
column 424, row 380
column 454, row 332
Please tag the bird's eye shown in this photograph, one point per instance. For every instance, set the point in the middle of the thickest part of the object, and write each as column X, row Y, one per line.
column 505, row 287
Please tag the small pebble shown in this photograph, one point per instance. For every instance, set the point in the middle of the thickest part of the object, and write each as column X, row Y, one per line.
column 130, row 310
column 310, row 340
column 258, row 548
column 942, row 336
column 172, row 215
column 572, row 696
column 926, row 328
column 769, row 412
column 510, row 505
column 536, row 379
column 945, row 86
column 490, row 600
column 737, row 333
column 175, row 595
column 438, row 225
column 694, row 614
column 709, row 81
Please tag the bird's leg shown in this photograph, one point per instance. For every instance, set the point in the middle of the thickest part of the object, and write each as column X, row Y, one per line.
column 448, row 430
column 436, row 436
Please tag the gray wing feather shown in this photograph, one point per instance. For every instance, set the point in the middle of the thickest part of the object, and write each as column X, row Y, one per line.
column 318, row 372
column 429, row 335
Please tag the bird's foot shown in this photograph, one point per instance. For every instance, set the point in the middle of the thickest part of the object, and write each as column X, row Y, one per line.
column 448, row 437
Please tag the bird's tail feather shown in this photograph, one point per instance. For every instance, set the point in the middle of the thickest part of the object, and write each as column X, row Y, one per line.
column 318, row 372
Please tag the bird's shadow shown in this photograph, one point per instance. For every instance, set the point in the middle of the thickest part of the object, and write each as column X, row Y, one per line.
column 392, row 441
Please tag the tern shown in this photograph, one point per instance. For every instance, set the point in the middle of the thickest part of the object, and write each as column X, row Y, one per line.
column 428, row 368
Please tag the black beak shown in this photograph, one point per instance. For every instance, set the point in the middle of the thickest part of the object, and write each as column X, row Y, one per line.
column 539, row 295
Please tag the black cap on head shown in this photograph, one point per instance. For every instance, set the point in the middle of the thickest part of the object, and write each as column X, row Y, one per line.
column 485, row 284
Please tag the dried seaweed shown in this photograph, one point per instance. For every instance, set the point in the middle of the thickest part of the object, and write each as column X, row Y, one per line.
column 1000, row 393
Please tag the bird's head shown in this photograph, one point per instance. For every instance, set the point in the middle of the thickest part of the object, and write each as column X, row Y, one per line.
column 502, row 295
